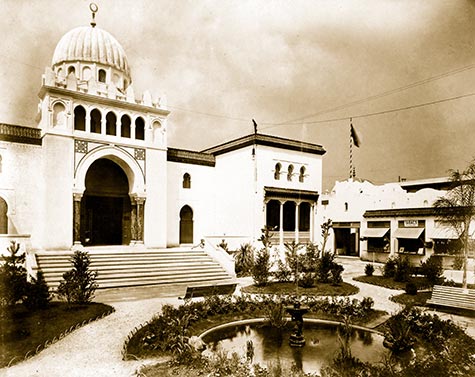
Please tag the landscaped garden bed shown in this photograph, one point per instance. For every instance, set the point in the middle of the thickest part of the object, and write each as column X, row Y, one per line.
column 389, row 282
column 23, row 331
column 288, row 288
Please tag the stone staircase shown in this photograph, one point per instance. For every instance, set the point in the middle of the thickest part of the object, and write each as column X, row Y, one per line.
column 126, row 267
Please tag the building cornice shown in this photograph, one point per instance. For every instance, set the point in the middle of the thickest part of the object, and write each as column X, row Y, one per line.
column 411, row 212
column 284, row 193
column 190, row 157
column 101, row 100
column 20, row 134
column 266, row 140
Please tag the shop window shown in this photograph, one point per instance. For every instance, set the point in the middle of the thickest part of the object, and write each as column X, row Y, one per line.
column 111, row 123
column 102, row 75
column 290, row 172
column 125, row 126
column 3, row 216
column 378, row 244
column 96, row 119
column 139, row 129
column 302, row 174
column 80, row 118
column 278, row 167
column 186, row 181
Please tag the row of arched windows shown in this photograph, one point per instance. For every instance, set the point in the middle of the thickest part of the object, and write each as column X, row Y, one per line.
column 123, row 129
column 87, row 73
column 290, row 172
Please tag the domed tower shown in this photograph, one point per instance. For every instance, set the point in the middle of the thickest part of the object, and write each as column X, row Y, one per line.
column 99, row 141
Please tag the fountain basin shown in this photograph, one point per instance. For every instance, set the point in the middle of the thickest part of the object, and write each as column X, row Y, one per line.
column 272, row 345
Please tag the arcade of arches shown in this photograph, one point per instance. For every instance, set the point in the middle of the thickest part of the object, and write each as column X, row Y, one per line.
column 105, row 214
column 292, row 219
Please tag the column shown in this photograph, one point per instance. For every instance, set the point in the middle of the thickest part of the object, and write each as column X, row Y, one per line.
column 312, row 220
column 140, row 219
column 77, row 219
column 133, row 220
column 104, row 124
column 297, row 222
column 281, row 223
column 88, row 121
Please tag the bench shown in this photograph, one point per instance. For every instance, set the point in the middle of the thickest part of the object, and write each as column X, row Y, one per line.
column 453, row 297
column 209, row 290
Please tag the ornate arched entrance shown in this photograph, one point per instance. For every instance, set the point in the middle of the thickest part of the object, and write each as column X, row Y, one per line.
column 105, row 205
column 186, row 225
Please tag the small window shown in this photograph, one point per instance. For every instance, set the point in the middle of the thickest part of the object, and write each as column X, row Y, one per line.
column 3, row 216
column 302, row 174
column 290, row 172
column 346, row 206
column 278, row 167
column 139, row 129
column 96, row 120
column 125, row 126
column 111, row 121
column 80, row 118
column 186, row 181
column 102, row 75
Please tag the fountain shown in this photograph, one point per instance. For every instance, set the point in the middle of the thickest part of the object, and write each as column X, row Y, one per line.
column 296, row 312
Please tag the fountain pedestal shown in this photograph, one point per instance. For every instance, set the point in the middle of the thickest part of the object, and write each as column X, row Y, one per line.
column 296, row 312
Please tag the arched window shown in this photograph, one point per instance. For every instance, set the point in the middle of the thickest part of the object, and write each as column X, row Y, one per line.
column 86, row 73
column 302, row 174
column 102, row 75
column 125, row 126
column 3, row 216
column 80, row 118
column 290, row 172
column 71, row 69
column 111, row 122
column 186, row 181
column 59, row 114
column 96, row 119
column 139, row 128
column 278, row 167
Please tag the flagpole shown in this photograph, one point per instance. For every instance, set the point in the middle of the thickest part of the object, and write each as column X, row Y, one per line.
column 351, row 152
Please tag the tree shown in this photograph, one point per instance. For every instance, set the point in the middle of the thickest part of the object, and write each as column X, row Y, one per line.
column 13, row 276
column 457, row 208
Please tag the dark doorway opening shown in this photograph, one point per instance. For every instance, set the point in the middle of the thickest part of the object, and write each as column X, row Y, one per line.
column 105, row 206
column 186, row 225
column 345, row 241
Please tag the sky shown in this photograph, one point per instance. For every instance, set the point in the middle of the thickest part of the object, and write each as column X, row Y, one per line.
column 301, row 69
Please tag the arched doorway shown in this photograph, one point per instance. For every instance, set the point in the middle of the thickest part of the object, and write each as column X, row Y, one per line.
column 105, row 205
column 186, row 225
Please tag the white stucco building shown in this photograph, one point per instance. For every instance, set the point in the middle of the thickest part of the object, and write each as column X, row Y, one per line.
column 97, row 169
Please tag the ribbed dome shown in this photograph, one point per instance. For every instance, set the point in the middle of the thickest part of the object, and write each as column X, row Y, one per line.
column 91, row 44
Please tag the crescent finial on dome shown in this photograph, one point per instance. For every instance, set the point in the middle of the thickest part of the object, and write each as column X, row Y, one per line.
column 94, row 8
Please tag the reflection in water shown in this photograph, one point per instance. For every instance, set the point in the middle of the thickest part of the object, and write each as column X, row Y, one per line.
column 271, row 344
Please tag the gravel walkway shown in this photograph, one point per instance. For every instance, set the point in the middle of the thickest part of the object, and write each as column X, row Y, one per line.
column 95, row 350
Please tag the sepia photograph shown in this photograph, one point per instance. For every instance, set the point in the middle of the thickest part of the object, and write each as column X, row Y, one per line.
column 216, row 188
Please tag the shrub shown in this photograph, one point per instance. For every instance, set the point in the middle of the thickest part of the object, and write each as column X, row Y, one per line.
column 389, row 269
column 244, row 259
column 458, row 262
column 369, row 269
column 432, row 269
column 403, row 269
column 335, row 273
column 261, row 268
column 13, row 283
column 307, row 280
column 79, row 284
column 411, row 288
column 283, row 273
column 275, row 314
column 324, row 267
column 37, row 294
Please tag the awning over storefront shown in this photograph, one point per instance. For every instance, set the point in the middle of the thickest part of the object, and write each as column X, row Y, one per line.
column 412, row 233
column 374, row 232
column 443, row 233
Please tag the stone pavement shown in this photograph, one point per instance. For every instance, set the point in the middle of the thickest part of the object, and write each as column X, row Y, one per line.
column 95, row 349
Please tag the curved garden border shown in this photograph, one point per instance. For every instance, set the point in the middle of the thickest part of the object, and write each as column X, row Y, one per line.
column 48, row 343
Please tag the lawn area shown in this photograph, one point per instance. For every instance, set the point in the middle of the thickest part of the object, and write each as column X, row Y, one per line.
column 23, row 330
column 320, row 289
column 382, row 281
column 412, row 300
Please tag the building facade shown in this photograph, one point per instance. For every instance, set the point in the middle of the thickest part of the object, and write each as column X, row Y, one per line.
column 97, row 169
